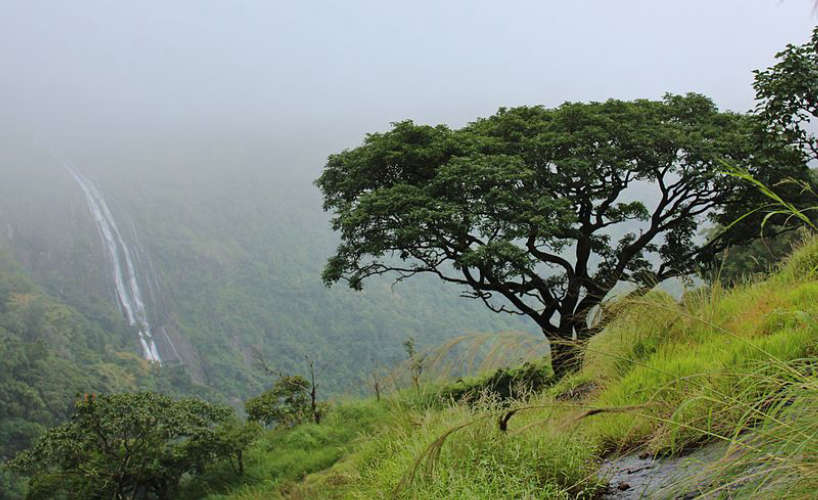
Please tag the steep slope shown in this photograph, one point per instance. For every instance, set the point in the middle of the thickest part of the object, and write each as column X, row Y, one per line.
column 239, row 255
column 50, row 352
column 123, row 270
column 229, row 254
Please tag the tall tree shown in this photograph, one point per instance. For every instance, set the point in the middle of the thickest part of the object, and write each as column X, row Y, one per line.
column 537, row 211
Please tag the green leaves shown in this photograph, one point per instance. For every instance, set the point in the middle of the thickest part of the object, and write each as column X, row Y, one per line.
column 787, row 95
column 777, row 205
column 285, row 405
column 122, row 444
column 49, row 352
column 779, row 182
column 540, row 211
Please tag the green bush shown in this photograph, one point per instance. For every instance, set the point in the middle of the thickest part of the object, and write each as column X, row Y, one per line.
column 503, row 384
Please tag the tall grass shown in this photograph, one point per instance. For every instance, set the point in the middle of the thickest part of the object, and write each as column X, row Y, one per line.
column 734, row 366
column 284, row 457
column 469, row 355
column 667, row 375
column 722, row 365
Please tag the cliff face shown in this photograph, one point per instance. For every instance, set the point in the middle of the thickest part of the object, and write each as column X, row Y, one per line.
column 49, row 229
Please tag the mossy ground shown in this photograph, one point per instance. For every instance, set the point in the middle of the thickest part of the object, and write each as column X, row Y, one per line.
column 664, row 376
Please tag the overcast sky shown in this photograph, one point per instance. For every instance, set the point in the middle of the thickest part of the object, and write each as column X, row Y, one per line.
column 316, row 76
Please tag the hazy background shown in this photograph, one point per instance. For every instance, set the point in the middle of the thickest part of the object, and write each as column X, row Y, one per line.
column 205, row 123
column 280, row 85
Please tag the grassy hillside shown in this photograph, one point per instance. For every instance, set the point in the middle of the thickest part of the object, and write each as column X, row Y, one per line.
column 734, row 366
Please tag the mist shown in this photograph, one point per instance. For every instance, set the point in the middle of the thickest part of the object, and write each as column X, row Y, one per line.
column 274, row 87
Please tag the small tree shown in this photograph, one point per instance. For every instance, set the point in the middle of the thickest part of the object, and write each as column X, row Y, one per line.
column 265, row 402
column 376, row 377
column 131, row 446
column 232, row 438
column 314, row 406
column 415, row 362
column 285, row 405
column 541, row 212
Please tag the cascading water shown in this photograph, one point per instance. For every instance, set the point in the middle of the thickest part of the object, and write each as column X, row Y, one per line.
column 125, row 282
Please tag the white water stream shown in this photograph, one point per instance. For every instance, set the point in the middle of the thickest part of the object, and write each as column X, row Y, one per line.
column 124, row 271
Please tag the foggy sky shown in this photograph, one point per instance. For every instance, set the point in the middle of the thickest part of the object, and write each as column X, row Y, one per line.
column 301, row 80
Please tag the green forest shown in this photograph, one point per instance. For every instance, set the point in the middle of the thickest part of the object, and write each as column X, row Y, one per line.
column 226, row 290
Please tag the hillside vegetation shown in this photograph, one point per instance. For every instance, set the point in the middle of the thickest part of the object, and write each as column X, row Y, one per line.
column 50, row 352
column 665, row 376
column 244, row 276
column 229, row 263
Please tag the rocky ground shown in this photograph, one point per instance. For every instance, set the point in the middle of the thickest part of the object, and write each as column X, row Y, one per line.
column 637, row 476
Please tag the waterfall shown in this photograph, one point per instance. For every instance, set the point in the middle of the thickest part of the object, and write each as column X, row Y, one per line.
column 124, row 271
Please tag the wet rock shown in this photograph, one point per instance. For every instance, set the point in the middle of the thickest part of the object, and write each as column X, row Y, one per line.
column 641, row 475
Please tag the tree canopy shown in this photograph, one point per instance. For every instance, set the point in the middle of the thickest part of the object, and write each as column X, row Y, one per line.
column 540, row 211
column 787, row 95
column 786, row 104
column 131, row 445
column 286, row 404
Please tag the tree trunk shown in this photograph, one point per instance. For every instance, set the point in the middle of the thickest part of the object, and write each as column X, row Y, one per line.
column 316, row 415
column 566, row 357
